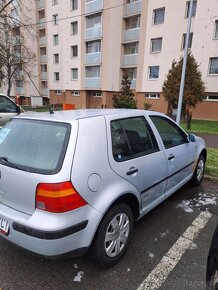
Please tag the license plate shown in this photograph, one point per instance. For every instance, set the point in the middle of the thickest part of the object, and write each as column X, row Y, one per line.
column 4, row 227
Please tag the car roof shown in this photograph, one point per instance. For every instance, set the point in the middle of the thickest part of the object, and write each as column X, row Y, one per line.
column 71, row 115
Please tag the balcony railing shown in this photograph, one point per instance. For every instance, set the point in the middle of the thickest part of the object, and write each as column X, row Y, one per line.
column 41, row 4
column 44, row 92
column 131, row 34
column 94, row 32
column 43, row 76
column 94, row 6
column 43, row 58
column 19, row 90
column 133, row 8
column 42, row 23
column 130, row 59
column 92, row 82
column 93, row 58
column 42, row 40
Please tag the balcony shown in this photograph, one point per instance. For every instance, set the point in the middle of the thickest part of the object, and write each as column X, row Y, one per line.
column 130, row 59
column 44, row 76
column 92, row 82
column 19, row 90
column 93, row 58
column 133, row 8
column 41, row 4
column 43, row 58
column 94, row 32
column 131, row 34
column 94, row 6
column 44, row 92
column 42, row 40
column 41, row 23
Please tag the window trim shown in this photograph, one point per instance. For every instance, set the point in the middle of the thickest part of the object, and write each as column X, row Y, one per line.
column 153, row 16
column 153, row 98
column 149, row 68
column 212, row 74
column 215, row 30
column 151, row 46
column 132, row 155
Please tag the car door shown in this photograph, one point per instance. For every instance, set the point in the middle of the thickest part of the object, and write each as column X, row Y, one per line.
column 7, row 109
column 135, row 156
column 179, row 151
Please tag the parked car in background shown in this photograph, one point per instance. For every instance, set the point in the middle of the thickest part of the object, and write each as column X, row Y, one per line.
column 77, row 180
column 8, row 109
column 212, row 263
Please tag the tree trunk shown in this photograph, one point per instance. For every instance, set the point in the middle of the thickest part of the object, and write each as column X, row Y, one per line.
column 188, row 119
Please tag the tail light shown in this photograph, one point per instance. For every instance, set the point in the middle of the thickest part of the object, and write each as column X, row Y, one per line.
column 58, row 197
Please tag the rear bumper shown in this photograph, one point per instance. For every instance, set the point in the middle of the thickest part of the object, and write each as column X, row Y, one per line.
column 52, row 235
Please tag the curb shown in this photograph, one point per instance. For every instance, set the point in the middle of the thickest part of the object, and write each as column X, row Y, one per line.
column 212, row 178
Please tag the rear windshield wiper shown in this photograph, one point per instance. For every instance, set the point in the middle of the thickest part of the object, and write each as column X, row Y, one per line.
column 4, row 160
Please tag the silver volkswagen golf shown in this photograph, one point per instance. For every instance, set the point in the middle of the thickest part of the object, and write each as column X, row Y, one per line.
column 77, row 180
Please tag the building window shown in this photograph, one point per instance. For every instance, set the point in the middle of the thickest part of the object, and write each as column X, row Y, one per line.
column 19, row 83
column 42, row 33
column 216, row 30
column 211, row 98
column 54, row 2
column 152, row 96
column 55, row 39
column 131, row 48
column 92, row 72
column 56, row 58
column 43, row 67
column 132, row 22
column 56, row 76
column 93, row 46
column 93, row 21
column 41, row 14
column 42, row 50
column 131, row 72
column 74, row 51
column 74, row 4
column 55, row 19
column 75, row 93
column 156, row 44
column 44, row 84
column 153, row 72
column 194, row 8
column 189, row 41
column 158, row 16
column 74, row 73
column 213, row 70
column 74, row 28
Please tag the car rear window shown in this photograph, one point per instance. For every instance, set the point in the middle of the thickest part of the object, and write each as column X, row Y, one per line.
column 34, row 146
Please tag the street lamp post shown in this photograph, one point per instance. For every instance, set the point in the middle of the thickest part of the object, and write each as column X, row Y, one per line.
column 182, row 83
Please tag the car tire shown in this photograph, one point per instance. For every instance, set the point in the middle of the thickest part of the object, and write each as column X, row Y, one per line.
column 113, row 236
column 199, row 171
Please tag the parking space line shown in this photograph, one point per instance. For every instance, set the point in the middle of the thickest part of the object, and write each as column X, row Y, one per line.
column 160, row 273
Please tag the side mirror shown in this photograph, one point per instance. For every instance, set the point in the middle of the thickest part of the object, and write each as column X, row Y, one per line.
column 18, row 109
column 191, row 138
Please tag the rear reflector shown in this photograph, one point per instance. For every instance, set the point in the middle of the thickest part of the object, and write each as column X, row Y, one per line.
column 58, row 197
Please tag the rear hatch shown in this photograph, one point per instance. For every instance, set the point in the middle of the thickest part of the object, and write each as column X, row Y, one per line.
column 31, row 152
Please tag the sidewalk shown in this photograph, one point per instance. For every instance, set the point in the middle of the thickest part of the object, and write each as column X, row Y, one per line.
column 210, row 139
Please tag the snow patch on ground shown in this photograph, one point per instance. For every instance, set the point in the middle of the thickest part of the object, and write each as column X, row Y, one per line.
column 78, row 277
column 193, row 246
column 197, row 202
column 163, row 235
column 151, row 255
column 76, row 266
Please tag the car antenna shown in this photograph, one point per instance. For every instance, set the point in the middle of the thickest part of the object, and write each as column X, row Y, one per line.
column 51, row 109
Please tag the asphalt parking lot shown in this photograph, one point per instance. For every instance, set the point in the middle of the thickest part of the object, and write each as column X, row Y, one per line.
column 154, row 237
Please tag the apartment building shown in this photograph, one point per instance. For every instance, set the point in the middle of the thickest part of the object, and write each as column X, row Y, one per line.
column 24, row 83
column 85, row 47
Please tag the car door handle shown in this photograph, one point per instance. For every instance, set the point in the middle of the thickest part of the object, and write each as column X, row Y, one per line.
column 132, row 171
column 171, row 157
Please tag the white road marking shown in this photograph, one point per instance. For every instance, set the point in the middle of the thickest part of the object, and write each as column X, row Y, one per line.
column 160, row 273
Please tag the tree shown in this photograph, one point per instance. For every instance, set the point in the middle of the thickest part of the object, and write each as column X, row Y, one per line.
column 16, row 56
column 125, row 98
column 194, row 87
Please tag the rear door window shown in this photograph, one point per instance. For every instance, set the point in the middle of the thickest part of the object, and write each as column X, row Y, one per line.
column 34, row 146
column 131, row 138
